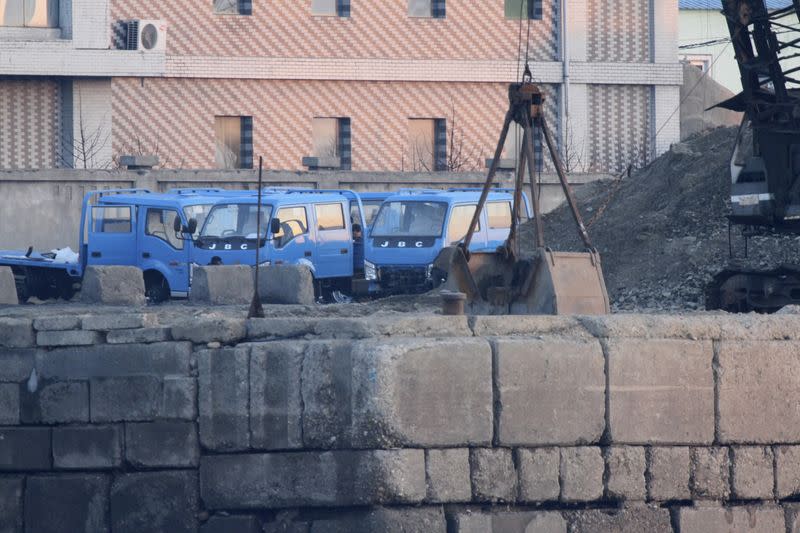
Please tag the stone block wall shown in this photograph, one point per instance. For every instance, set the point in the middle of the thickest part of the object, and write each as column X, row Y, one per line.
column 190, row 420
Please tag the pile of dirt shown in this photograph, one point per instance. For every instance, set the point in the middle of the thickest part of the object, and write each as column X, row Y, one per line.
column 662, row 232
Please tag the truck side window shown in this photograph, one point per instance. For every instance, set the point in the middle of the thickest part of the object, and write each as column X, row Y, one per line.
column 329, row 216
column 294, row 222
column 160, row 224
column 111, row 219
column 460, row 218
column 499, row 215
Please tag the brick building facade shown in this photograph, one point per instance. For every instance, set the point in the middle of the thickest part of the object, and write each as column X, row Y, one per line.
column 241, row 79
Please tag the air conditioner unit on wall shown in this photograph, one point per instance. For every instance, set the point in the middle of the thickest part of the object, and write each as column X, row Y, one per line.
column 146, row 35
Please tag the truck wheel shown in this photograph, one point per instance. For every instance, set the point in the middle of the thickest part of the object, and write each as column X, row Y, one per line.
column 156, row 288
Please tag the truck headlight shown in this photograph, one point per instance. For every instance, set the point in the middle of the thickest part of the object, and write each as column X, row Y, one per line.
column 429, row 272
column 370, row 271
column 265, row 264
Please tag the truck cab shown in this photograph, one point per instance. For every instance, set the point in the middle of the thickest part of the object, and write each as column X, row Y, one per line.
column 413, row 226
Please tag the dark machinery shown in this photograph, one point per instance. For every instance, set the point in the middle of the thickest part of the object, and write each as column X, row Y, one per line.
column 765, row 166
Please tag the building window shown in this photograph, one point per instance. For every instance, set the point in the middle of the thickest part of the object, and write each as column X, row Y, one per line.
column 294, row 223
column 332, row 140
column 160, row 223
column 526, row 9
column 331, row 8
column 701, row 61
column 29, row 13
column 513, row 147
column 427, row 144
column 233, row 7
column 234, row 142
column 427, row 8
column 329, row 216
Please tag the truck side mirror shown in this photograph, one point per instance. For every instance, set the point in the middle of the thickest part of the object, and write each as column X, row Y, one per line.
column 192, row 226
column 176, row 225
column 275, row 226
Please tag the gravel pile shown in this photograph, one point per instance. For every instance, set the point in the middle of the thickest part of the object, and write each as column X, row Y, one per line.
column 663, row 233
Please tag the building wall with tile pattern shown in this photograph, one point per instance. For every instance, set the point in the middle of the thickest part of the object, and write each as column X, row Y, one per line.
column 619, row 126
column 29, row 123
column 176, row 116
column 619, row 30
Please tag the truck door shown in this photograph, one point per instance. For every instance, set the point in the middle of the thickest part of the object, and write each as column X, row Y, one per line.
column 112, row 240
column 458, row 224
column 292, row 243
column 161, row 249
column 334, row 246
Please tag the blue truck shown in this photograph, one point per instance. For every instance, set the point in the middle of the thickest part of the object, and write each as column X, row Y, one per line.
column 413, row 226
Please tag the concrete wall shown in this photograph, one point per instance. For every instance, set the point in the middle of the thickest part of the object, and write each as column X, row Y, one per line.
column 698, row 94
column 174, row 420
column 42, row 208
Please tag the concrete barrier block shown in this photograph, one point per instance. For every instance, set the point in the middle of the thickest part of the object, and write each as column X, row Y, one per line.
column 286, row 284
column 11, row 489
column 669, row 470
column 210, row 328
column 59, row 402
column 710, row 473
column 625, row 467
column 276, row 405
column 130, row 398
column 141, row 335
column 165, row 444
column 154, row 501
column 9, row 404
column 538, row 471
column 67, row 338
column 528, row 325
column 448, row 475
column 87, row 447
column 638, row 518
column 163, row 359
column 755, row 519
column 16, row 364
column 223, row 397
column 582, row 470
column 787, row 471
column 759, row 383
column 507, row 522
column 113, row 285
column 494, row 477
column 116, row 321
column 222, row 285
column 312, row 479
column 67, row 502
column 24, row 448
column 56, row 323
column 407, row 520
column 753, row 477
column 8, row 287
column 660, row 391
column 564, row 378
column 644, row 326
column 231, row 524
column 16, row 332
column 179, row 399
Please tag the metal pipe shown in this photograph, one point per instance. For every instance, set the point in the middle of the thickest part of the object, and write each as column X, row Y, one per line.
column 565, row 63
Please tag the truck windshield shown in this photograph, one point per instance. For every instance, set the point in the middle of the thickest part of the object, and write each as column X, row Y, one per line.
column 198, row 212
column 412, row 218
column 235, row 220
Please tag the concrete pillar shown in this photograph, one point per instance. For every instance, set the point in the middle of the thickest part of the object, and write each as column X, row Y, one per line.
column 665, row 116
column 667, row 121
column 86, row 123
column 91, row 26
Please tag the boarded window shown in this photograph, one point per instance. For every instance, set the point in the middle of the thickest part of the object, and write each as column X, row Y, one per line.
column 421, row 143
column 234, row 142
column 499, row 215
column 111, row 219
column 526, row 9
column 460, row 218
column 325, row 132
column 160, row 223
column 329, row 216
column 426, row 8
column 324, row 7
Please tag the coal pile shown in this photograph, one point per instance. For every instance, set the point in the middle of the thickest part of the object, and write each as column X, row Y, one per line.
column 662, row 232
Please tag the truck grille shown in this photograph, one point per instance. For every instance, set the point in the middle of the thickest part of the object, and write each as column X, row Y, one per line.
column 403, row 278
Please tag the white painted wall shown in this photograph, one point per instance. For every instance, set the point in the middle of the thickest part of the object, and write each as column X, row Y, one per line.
column 698, row 26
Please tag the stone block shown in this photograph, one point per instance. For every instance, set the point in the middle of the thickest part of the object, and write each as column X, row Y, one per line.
column 222, row 285
column 661, row 391
column 286, row 284
column 11, row 489
column 420, row 392
column 758, row 386
column 168, row 358
column 631, row 519
column 471, row 522
column 9, row 404
column 16, row 364
column 113, row 285
column 669, row 471
column 787, row 471
column 210, row 328
column 312, row 479
column 57, row 323
column 327, row 392
column 711, row 473
column 75, row 337
column 142, row 335
column 626, row 466
column 448, row 475
column 76, row 503
column 527, row 325
column 383, row 519
column 8, row 287
column 652, row 326
column 171, row 444
column 154, row 502
column 581, row 474
column 753, row 477
column 232, row 524
column 223, row 397
column 527, row 522
column 16, row 332
column 392, row 325
column 756, row 519
column 179, row 398
column 87, row 447
column 538, row 470
column 131, row 398
column 494, row 478
column 276, row 406
column 115, row 321
column 24, row 448
column 564, row 378
column 59, row 402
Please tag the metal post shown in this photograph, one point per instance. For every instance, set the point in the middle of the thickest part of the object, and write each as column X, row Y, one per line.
column 256, row 309
column 537, row 214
